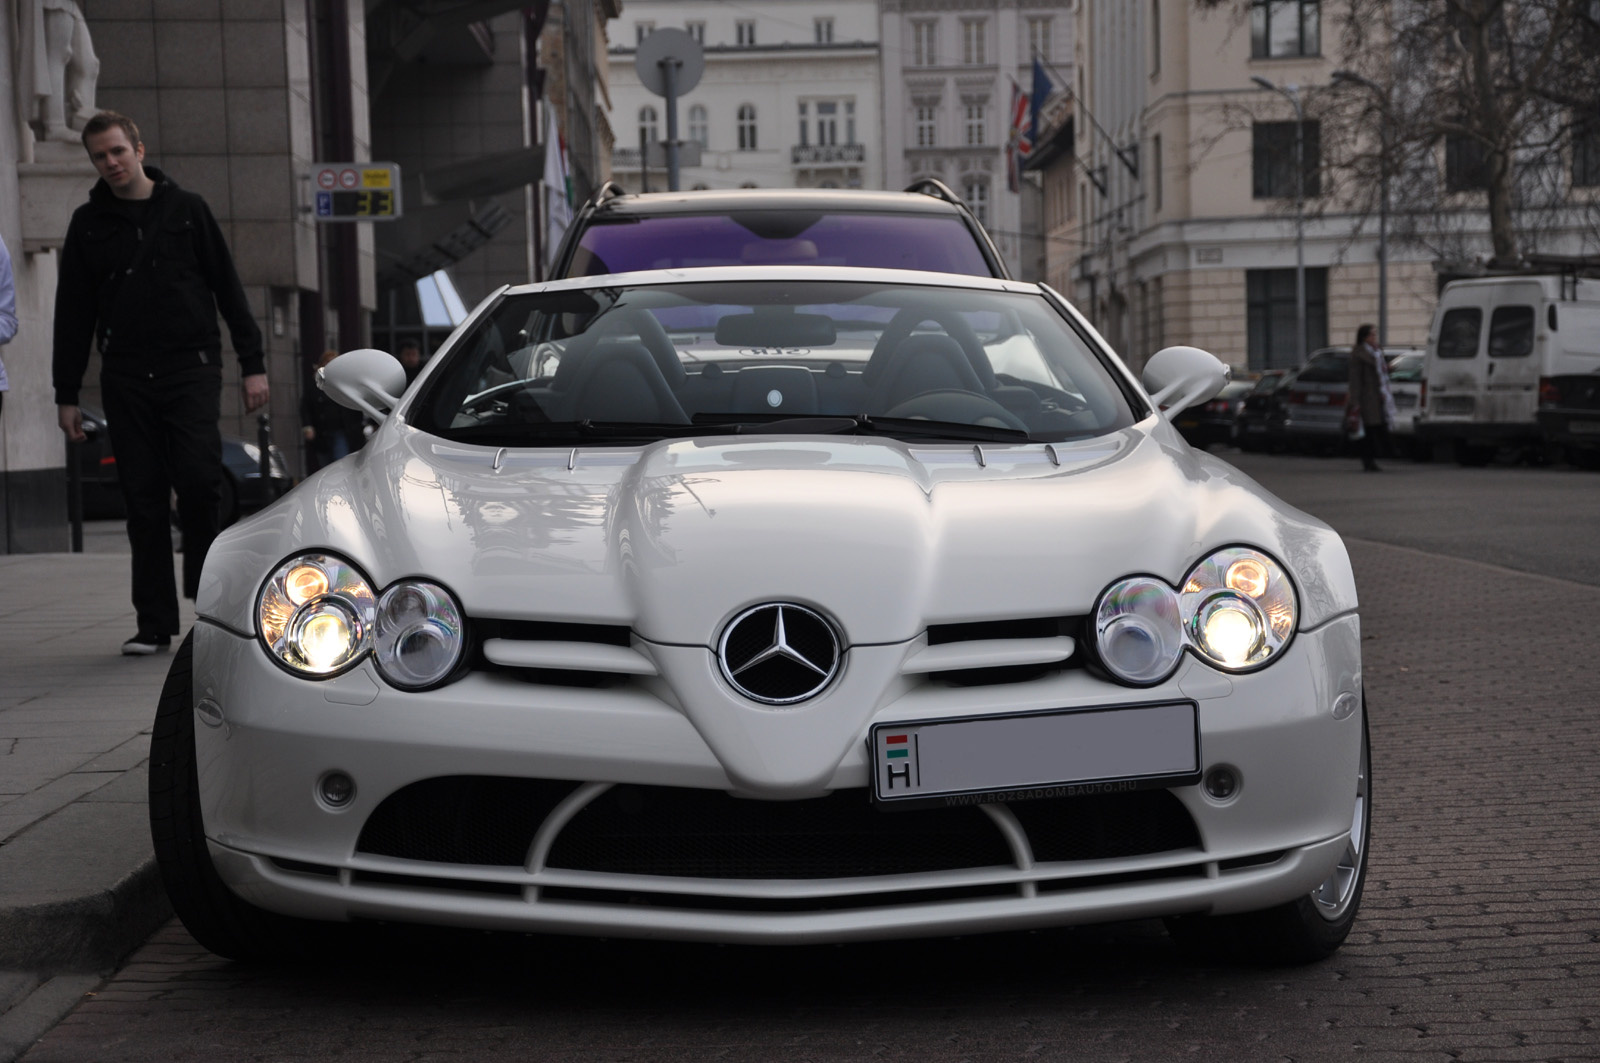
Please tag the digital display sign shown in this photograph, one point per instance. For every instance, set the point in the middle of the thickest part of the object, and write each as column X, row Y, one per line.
column 357, row 191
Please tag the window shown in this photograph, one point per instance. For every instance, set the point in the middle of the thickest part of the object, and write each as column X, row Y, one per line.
column 1271, row 315
column 699, row 127
column 1157, row 193
column 849, row 121
column 1272, row 156
column 976, row 192
column 648, row 132
column 975, row 123
column 924, row 43
column 1586, row 153
column 1466, row 164
column 827, row 123
column 747, row 127
column 1511, row 332
column 824, row 30
column 805, row 124
column 1285, row 27
column 744, row 33
column 927, row 118
column 1039, row 39
column 641, row 30
column 973, row 31
column 1458, row 332
column 1155, row 37
column 697, row 30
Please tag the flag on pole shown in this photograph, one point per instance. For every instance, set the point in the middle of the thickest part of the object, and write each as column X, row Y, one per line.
column 557, row 185
column 1018, row 142
column 1042, row 89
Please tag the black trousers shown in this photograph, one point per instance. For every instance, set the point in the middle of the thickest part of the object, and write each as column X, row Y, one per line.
column 165, row 438
column 1373, row 443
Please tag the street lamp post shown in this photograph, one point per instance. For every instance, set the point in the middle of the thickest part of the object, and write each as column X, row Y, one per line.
column 1352, row 78
column 1292, row 94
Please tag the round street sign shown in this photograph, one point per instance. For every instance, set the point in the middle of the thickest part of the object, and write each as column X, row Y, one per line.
column 669, row 44
column 349, row 178
column 327, row 178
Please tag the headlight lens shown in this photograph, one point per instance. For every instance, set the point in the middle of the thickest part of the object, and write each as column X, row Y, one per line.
column 420, row 636
column 1138, row 630
column 316, row 614
column 1237, row 611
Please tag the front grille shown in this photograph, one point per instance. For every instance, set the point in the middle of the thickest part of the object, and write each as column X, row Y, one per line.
column 658, row 830
column 1105, row 826
column 462, row 819
column 671, row 831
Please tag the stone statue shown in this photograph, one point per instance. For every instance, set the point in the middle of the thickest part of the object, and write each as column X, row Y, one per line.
column 58, row 68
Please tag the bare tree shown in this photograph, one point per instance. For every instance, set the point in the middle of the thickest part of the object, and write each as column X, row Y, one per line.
column 1449, row 100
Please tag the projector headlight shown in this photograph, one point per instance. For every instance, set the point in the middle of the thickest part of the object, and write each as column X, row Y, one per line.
column 420, row 636
column 315, row 614
column 1236, row 611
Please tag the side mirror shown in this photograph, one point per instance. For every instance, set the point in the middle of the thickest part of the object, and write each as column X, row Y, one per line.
column 368, row 380
column 1180, row 377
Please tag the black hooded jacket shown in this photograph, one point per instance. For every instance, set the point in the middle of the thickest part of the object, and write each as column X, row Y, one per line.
column 152, row 313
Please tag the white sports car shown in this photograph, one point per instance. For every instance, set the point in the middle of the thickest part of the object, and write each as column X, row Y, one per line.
column 781, row 604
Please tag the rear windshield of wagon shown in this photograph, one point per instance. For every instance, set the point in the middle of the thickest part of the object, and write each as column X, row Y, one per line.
column 938, row 243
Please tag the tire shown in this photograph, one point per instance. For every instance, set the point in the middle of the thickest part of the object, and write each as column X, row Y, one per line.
column 228, row 501
column 210, row 911
column 1474, row 455
column 1304, row 930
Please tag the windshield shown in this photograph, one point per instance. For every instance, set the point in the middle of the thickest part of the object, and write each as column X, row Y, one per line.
column 938, row 243
column 637, row 363
column 1326, row 368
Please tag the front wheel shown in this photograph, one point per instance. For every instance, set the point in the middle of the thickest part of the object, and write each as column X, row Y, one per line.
column 216, row 917
column 1304, row 930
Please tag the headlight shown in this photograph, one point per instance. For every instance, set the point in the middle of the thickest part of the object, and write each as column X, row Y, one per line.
column 1138, row 630
column 1238, row 608
column 316, row 614
column 419, row 634
column 1236, row 611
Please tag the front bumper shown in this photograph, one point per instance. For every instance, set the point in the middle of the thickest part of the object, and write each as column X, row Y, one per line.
column 1572, row 428
column 268, row 737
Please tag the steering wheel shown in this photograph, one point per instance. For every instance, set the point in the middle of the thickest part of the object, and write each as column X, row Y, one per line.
column 958, row 407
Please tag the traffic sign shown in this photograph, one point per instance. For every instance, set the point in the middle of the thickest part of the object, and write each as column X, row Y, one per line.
column 356, row 191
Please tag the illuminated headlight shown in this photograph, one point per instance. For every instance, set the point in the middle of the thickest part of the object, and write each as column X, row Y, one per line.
column 419, row 636
column 315, row 614
column 1236, row 611
column 1138, row 630
column 1239, row 608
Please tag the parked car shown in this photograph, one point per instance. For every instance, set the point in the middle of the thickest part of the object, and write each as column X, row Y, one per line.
column 244, row 490
column 1266, row 408
column 1502, row 354
column 755, row 605
column 1409, row 387
column 926, row 227
column 1314, row 413
column 1217, row 421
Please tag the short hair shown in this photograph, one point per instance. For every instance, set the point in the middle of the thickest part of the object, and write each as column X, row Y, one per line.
column 1364, row 331
column 104, row 120
column 410, row 345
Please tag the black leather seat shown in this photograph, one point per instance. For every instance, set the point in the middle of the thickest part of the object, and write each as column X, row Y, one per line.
column 615, row 381
column 918, row 364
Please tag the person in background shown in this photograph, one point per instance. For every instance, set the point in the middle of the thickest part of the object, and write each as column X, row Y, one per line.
column 1369, row 404
column 330, row 430
column 144, row 273
column 410, row 355
column 8, row 313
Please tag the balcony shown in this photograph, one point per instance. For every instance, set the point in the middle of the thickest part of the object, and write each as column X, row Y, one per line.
column 826, row 154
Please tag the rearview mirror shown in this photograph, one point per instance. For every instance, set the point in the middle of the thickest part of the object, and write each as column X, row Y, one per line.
column 368, row 380
column 1180, row 377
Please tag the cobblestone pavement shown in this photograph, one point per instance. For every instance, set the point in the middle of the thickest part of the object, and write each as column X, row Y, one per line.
column 1477, row 941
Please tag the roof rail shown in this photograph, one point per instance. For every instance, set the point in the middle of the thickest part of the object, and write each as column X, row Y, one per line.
column 932, row 186
column 607, row 190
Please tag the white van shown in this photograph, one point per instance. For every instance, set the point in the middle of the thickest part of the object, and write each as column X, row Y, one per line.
column 1493, row 342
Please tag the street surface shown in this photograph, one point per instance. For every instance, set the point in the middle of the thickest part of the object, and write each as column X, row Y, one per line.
column 1477, row 941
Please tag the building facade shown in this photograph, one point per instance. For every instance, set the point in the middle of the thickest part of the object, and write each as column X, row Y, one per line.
column 788, row 97
column 949, row 71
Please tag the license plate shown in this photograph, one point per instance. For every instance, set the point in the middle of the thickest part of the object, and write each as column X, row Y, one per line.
column 1584, row 428
column 1317, row 399
column 1064, row 753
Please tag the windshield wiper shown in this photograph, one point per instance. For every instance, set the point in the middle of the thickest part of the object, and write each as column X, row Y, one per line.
column 863, row 425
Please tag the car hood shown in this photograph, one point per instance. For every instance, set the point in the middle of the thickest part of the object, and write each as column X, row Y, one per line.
column 676, row 538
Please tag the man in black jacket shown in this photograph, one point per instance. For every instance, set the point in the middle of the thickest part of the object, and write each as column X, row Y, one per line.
column 144, row 272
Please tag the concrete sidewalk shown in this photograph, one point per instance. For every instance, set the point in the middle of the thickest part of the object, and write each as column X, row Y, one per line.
column 78, row 885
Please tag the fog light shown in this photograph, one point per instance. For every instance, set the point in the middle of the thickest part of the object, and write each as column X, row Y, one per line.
column 336, row 789
column 1221, row 783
